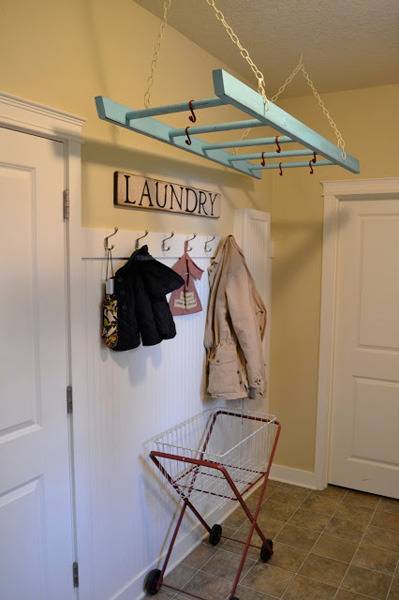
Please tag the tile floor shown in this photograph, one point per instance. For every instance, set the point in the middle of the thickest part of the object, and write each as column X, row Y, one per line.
column 336, row 544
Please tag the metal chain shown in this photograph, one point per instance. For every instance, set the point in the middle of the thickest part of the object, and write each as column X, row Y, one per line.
column 157, row 48
column 257, row 72
column 301, row 67
column 281, row 89
column 338, row 135
column 287, row 82
column 243, row 51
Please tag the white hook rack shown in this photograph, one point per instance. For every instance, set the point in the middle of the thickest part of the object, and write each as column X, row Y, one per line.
column 124, row 244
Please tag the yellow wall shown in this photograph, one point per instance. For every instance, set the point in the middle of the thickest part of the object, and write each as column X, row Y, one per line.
column 63, row 53
column 369, row 121
column 66, row 52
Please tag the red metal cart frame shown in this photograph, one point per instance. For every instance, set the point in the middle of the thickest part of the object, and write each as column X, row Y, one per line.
column 197, row 467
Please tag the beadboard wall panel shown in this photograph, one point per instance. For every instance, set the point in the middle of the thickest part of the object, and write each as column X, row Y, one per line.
column 131, row 397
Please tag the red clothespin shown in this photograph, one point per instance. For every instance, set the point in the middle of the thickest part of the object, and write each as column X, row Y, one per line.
column 263, row 162
column 188, row 138
column 278, row 147
column 192, row 117
column 281, row 170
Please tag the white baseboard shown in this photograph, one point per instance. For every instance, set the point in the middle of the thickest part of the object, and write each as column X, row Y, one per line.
column 294, row 476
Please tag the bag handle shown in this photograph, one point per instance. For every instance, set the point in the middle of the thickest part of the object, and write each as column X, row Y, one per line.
column 109, row 269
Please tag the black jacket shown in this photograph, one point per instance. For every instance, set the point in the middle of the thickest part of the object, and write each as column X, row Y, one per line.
column 143, row 311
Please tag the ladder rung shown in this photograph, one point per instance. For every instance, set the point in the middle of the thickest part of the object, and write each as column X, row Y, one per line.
column 258, row 155
column 290, row 165
column 174, row 108
column 216, row 127
column 266, row 141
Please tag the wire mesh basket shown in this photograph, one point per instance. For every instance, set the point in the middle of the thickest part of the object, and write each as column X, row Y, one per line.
column 218, row 455
column 237, row 441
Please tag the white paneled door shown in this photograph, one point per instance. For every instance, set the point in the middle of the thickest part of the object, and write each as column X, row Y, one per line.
column 36, row 541
column 365, row 409
column 252, row 232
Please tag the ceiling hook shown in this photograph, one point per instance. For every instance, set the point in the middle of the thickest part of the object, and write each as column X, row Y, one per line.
column 314, row 159
column 188, row 139
column 263, row 162
column 189, row 248
column 108, row 248
column 192, row 117
column 278, row 147
column 163, row 245
column 141, row 237
column 206, row 248
column 281, row 170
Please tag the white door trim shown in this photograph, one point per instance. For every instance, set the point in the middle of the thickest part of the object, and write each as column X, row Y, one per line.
column 44, row 121
column 25, row 115
column 334, row 192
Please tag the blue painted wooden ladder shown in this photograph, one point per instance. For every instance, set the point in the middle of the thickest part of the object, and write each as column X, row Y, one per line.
column 231, row 91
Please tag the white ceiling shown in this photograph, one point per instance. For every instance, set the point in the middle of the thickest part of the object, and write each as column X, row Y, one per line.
column 346, row 44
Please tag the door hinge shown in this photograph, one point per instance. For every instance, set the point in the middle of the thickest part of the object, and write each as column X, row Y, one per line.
column 69, row 400
column 75, row 574
column 65, row 204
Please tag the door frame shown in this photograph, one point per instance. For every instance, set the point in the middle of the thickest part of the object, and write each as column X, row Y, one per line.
column 44, row 121
column 334, row 192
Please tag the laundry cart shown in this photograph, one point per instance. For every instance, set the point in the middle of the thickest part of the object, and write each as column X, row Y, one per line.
column 211, row 459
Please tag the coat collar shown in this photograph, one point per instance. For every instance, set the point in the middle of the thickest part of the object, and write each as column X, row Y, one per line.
column 142, row 254
column 228, row 243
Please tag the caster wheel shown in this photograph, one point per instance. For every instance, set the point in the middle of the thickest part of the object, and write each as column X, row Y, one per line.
column 215, row 535
column 153, row 582
column 266, row 551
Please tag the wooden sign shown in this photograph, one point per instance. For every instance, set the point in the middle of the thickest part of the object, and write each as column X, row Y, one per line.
column 136, row 191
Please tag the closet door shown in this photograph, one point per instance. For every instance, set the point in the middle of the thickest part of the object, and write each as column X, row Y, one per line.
column 36, row 548
column 365, row 410
column 252, row 232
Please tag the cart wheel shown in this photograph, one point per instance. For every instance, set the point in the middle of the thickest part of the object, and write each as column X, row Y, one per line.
column 153, row 582
column 266, row 551
column 215, row 535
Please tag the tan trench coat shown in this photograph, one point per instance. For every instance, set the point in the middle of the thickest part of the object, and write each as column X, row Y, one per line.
column 235, row 327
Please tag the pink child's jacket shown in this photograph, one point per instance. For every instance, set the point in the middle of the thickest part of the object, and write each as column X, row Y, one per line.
column 185, row 300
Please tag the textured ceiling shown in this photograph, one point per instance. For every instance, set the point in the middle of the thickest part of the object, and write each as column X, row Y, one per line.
column 346, row 44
